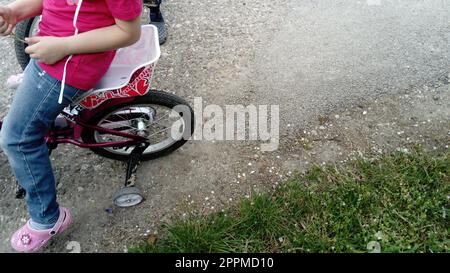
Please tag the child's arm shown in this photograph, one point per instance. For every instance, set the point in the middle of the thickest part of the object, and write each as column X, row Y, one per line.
column 122, row 34
column 51, row 49
column 24, row 9
column 17, row 11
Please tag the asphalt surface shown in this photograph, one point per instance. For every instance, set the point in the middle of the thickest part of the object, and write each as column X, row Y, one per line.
column 333, row 53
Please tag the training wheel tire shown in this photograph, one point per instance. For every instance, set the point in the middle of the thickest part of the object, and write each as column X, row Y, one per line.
column 128, row 197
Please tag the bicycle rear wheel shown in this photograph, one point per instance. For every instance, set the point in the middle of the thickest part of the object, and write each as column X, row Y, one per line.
column 24, row 29
column 166, row 120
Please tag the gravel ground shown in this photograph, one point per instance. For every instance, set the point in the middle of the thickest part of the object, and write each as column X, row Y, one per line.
column 350, row 77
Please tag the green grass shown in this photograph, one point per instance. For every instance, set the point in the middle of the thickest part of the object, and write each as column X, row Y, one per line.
column 400, row 201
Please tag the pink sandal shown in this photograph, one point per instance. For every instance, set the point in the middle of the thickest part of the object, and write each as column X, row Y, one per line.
column 14, row 81
column 29, row 240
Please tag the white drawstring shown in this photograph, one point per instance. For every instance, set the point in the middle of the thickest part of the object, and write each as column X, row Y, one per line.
column 63, row 81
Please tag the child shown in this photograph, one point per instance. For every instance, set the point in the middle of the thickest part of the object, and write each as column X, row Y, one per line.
column 72, row 51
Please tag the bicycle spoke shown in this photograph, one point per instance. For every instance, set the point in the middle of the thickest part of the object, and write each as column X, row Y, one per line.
column 168, row 113
column 159, row 132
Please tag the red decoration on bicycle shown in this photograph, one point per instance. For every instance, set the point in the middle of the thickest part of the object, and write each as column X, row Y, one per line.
column 139, row 85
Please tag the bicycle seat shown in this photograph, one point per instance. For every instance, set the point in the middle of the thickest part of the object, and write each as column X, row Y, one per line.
column 130, row 72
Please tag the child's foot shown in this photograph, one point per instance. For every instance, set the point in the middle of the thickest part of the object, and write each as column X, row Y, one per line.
column 14, row 81
column 27, row 239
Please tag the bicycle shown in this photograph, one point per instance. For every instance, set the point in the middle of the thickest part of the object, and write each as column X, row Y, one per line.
column 122, row 118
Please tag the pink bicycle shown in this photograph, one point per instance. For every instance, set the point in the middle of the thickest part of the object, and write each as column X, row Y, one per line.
column 122, row 118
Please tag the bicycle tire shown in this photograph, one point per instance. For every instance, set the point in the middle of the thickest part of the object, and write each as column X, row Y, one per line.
column 153, row 97
column 22, row 31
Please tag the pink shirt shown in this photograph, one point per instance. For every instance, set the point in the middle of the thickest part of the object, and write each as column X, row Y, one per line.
column 83, row 70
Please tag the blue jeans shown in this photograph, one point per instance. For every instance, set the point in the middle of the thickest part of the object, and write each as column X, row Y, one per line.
column 33, row 110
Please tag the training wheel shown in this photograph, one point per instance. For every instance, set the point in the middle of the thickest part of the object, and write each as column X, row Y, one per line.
column 128, row 197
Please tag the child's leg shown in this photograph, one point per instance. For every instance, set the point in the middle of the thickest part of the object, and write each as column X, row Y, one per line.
column 155, row 11
column 34, row 108
column 157, row 19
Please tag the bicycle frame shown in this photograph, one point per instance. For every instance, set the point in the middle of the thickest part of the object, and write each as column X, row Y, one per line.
column 76, row 124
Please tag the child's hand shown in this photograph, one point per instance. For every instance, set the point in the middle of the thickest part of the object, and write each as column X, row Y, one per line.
column 46, row 49
column 8, row 20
